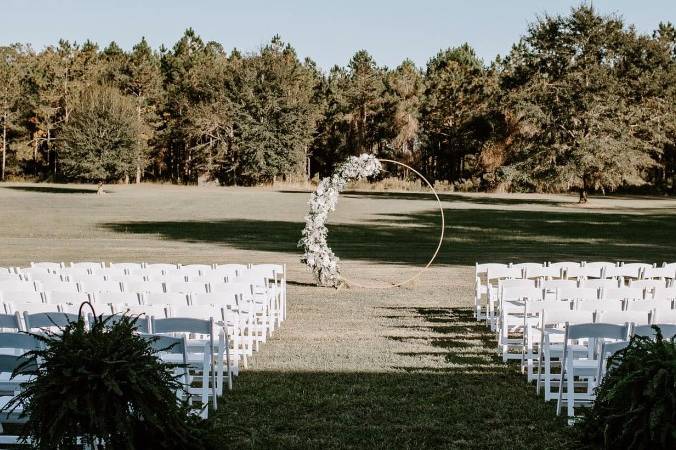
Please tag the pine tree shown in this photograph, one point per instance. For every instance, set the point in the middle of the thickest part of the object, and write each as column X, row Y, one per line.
column 400, row 121
column 10, row 96
column 586, row 122
column 142, row 79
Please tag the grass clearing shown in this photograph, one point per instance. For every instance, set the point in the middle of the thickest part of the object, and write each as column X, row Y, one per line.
column 356, row 368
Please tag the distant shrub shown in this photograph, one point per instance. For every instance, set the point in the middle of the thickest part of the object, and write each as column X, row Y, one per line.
column 635, row 406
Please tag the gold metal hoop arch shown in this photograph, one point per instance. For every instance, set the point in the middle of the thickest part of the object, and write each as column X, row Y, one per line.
column 436, row 252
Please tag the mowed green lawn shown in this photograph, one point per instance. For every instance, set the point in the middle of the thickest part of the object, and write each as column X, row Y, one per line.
column 361, row 368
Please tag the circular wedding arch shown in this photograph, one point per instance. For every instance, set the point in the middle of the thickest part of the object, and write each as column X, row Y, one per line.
column 317, row 255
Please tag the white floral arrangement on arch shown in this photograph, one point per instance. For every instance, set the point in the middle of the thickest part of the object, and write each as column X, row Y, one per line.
column 317, row 255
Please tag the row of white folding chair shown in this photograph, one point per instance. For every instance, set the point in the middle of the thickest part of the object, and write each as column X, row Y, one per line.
column 13, row 346
column 550, row 350
column 568, row 289
column 551, row 320
column 260, row 273
column 591, row 367
column 237, row 297
column 513, row 318
column 159, row 268
column 268, row 284
column 32, row 316
column 495, row 272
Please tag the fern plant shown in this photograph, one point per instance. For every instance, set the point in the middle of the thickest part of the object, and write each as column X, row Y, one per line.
column 107, row 387
column 635, row 406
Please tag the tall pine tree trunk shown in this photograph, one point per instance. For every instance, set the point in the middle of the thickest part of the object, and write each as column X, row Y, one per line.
column 584, row 189
column 138, row 146
column 4, row 145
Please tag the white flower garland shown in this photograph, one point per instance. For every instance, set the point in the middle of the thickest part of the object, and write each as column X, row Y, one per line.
column 317, row 255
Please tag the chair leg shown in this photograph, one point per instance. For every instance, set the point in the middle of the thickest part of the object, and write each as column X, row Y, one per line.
column 571, row 389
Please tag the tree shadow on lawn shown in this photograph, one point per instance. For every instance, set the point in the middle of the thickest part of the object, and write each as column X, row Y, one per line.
column 471, row 235
column 447, row 197
column 468, row 400
column 52, row 189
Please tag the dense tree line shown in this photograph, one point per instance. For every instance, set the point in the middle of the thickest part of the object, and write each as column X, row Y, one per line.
column 582, row 101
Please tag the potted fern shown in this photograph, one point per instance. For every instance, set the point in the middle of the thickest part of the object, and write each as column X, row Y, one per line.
column 635, row 406
column 104, row 387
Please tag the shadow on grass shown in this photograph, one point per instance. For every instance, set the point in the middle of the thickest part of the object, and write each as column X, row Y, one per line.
column 52, row 189
column 446, row 197
column 471, row 235
column 471, row 401
column 403, row 409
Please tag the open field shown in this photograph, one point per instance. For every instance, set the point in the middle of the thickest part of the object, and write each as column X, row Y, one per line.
column 403, row 367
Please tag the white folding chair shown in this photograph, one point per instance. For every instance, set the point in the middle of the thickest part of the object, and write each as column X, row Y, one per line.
column 173, row 350
column 10, row 322
column 116, row 298
column 161, row 266
column 591, row 335
column 665, row 317
column 659, row 273
column 604, row 265
column 623, row 273
column 159, row 311
column 480, row 286
column 648, row 305
column 597, row 305
column 48, row 320
column 511, row 318
column 230, row 267
column 143, row 286
column 665, row 294
column 623, row 293
column 234, row 308
column 576, row 293
column 165, row 298
column 225, row 318
column 608, row 349
column 205, row 355
column 126, row 267
column 564, row 265
column 550, row 350
column 60, row 286
column 584, row 272
column 40, row 275
column 494, row 292
column 534, row 312
column 647, row 284
column 187, row 287
column 100, row 285
column 668, row 330
column 275, row 277
column 87, row 265
column 17, row 286
column 76, row 298
column 635, row 270
column 622, row 317
column 74, row 273
column 21, row 297
column 601, row 283
column 543, row 272
column 50, row 266
column 126, row 279
column 9, row 364
column 142, row 324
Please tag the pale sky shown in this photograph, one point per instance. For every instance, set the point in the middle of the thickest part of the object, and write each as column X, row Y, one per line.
column 329, row 32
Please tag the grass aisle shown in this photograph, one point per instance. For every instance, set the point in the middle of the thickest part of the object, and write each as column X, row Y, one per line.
column 449, row 390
